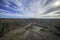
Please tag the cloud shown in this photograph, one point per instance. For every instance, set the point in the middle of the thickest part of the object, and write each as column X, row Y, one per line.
column 55, row 13
column 28, row 8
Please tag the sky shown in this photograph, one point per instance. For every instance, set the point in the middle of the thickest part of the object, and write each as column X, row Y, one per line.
column 29, row 8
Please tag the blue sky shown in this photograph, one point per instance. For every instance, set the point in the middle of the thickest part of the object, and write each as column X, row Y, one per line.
column 29, row 8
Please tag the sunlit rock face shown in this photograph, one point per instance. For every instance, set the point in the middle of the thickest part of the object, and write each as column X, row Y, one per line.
column 29, row 8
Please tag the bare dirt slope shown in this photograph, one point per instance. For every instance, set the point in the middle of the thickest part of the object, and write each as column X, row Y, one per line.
column 30, row 34
column 29, row 29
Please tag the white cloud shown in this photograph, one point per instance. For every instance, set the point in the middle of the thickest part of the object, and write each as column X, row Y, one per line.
column 36, row 8
column 56, row 3
column 54, row 13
